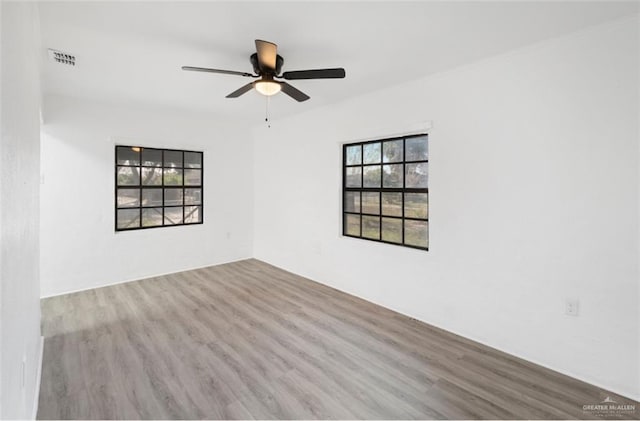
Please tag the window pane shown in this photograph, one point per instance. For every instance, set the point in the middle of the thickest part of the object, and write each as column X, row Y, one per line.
column 152, row 157
column 173, row 158
column 371, row 152
column 352, row 201
column 416, row 175
column 173, row 197
column 128, row 218
column 172, row 177
column 392, row 175
column 354, row 155
column 416, row 233
column 151, row 197
column 193, row 160
column 128, row 176
column 354, row 177
column 392, row 151
column 151, row 176
column 173, row 216
column 371, row 177
column 352, row 225
column 192, row 177
column 416, row 205
column 192, row 214
column 371, row 202
column 371, row 227
column 417, row 149
column 392, row 230
column 152, row 217
column 392, row 204
column 192, row 196
column 127, row 155
column 128, row 198
column 150, row 187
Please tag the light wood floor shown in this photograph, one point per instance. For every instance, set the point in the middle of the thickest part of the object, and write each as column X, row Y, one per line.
column 247, row 340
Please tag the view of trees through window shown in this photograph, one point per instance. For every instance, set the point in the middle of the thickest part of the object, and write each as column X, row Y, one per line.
column 157, row 187
column 385, row 191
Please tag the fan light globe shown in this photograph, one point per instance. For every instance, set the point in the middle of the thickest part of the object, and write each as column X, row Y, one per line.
column 267, row 87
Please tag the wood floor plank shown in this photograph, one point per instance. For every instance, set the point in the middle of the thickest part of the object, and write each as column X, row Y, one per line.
column 309, row 345
column 247, row 340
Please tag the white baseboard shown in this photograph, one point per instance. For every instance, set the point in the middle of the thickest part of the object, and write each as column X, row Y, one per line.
column 125, row 281
column 577, row 376
column 36, row 395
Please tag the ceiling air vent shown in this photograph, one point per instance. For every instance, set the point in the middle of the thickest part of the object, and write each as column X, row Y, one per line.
column 62, row 58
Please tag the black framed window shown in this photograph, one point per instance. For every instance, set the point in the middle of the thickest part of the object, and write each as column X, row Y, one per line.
column 385, row 191
column 157, row 187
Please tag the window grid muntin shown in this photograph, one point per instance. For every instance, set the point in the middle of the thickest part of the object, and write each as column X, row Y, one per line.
column 382, row 189
column 161, row 186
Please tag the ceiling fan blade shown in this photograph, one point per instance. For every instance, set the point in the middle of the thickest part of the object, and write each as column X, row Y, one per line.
column 267, row 52
column 337, row 73
column 246, row 88
column 224, row 72
column 293, row 92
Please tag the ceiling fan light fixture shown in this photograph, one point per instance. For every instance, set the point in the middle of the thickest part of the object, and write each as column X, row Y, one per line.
column 267, row 87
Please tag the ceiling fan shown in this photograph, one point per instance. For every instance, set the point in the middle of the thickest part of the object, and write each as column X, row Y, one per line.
column 267, row 65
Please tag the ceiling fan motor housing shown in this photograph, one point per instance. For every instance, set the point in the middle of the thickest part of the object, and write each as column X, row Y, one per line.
column 256, row 64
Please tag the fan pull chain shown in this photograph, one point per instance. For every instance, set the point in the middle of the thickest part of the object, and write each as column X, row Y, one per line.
column 267, row 119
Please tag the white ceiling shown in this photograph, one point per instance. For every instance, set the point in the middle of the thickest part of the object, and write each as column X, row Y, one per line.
column 132, row 51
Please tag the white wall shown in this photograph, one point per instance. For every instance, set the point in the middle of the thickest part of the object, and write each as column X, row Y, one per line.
column 533, row 200
column 20, row 293
column 80, row 248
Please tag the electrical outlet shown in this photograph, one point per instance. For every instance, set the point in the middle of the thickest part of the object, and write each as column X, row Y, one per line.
column 572, row 307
